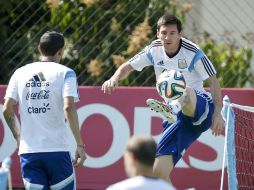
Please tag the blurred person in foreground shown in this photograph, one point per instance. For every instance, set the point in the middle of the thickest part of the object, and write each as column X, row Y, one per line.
column 201, row 109
column 139, row 158
column 5, row 174
column 46, row 92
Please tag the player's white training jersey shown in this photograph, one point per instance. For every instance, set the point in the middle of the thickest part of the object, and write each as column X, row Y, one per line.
column 141, row 183
column 40, row 88
column 189, row 59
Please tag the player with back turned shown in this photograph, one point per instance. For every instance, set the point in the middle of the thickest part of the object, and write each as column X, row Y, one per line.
column 199, row 111
column 46, row 92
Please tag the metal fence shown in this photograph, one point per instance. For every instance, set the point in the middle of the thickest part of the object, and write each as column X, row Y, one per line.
column 100, row 32
column 230, row 20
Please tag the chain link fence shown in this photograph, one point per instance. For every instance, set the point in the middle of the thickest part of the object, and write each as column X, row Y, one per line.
column 103, row 34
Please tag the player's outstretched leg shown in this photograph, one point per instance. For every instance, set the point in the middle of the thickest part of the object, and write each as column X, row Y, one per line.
column 161, row 108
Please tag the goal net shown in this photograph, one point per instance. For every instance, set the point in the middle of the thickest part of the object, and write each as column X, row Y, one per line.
column 239, row 145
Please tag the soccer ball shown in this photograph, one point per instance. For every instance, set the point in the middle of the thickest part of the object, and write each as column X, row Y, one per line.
column 171, row 85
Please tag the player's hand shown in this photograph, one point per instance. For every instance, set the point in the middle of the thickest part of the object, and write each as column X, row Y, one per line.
column 109, row 86
column 218, row 124
column 80, row 156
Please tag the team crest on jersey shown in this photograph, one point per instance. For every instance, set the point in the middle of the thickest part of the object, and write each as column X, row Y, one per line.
column 182, row 64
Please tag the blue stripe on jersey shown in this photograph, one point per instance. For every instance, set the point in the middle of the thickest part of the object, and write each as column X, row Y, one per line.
column 69, row 74
column 200, row 54
column 149, row 55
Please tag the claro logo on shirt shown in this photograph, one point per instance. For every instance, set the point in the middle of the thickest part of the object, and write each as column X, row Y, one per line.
column 37, row 80
column 42, row 109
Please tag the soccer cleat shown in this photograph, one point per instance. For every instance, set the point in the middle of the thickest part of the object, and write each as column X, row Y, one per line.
column 161, row 108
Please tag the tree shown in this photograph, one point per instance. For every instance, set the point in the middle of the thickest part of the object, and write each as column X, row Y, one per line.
column 100, row 36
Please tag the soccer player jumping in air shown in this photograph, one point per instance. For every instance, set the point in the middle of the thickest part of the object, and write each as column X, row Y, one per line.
column 200, row 109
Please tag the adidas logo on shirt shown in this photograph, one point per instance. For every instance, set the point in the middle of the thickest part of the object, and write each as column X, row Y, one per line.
column 160, row 63
column 37, row 80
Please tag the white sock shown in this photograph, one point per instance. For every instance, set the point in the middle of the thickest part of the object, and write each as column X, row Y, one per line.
column 175, row 106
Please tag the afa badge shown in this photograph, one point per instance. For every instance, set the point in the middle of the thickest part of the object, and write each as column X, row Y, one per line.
column 182, row 64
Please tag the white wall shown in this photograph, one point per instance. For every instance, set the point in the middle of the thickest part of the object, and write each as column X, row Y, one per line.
column 219, row 16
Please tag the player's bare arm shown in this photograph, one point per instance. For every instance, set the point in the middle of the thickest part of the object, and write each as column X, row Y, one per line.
column 121, row 73
column 8, row 112
column 218, row 122
column 72, row 118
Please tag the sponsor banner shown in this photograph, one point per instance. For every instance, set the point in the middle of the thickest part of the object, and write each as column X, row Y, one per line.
column 107, row 122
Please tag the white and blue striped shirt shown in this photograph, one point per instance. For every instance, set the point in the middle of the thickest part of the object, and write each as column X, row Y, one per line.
column 190, row 60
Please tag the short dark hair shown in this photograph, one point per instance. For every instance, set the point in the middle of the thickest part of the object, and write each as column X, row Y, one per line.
column 168, row 19
column 143, row 148
column 51, row 42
